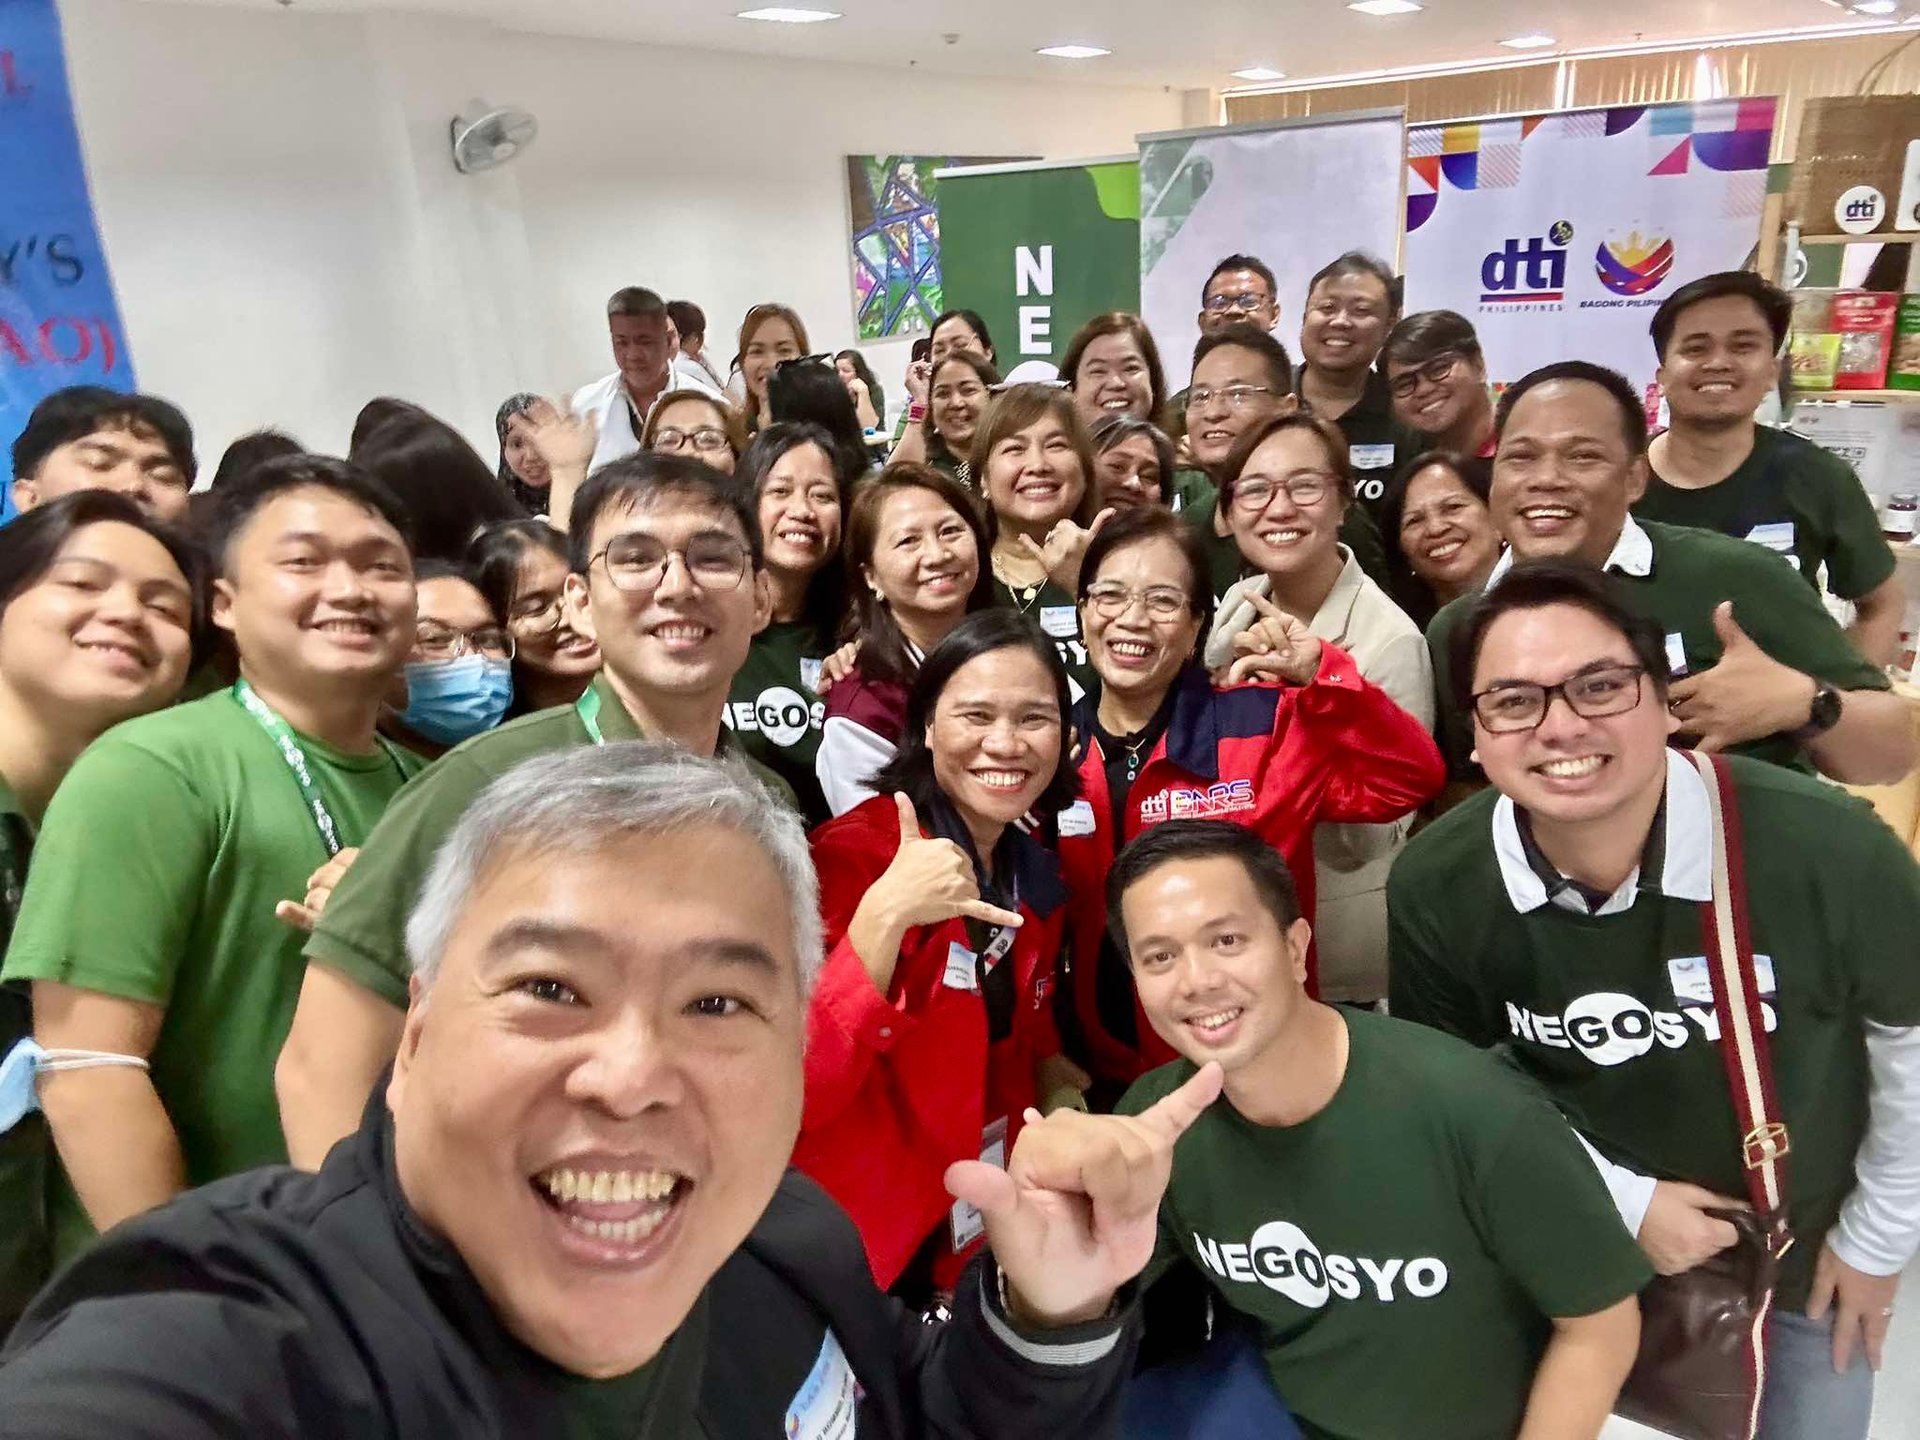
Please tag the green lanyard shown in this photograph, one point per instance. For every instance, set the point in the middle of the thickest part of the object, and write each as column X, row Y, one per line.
column 281, row 734
column 587, row 707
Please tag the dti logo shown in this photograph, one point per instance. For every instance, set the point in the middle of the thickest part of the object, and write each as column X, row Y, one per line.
column 1635, row 265
column 1528, row 271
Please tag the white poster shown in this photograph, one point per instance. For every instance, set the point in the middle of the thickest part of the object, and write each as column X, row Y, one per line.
column 1559, row 235
column 1295, row 195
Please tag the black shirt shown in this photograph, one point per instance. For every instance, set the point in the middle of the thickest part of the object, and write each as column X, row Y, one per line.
column 1377, row 443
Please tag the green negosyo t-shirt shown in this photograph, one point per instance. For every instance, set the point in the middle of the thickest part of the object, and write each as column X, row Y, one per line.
column 1056, row 613
column 155, row 878
column 776, row 713
column 1402, row 1253
column 1795, row 499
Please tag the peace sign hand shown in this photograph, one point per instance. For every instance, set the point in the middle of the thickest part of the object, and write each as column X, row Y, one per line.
column 1074, row 1215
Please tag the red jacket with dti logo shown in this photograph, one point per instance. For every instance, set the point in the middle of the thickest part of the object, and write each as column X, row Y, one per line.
column 901, row 1085
column 1278, row 759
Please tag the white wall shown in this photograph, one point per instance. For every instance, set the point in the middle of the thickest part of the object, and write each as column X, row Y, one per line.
column 289, row 238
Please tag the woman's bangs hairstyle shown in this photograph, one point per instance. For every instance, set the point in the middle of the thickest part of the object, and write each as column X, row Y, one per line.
column 883, row 649
column 983, row 371
column 1019, row 407
column 1118, row 322
column 1331, row 439
column 1151, row 522
column 826, row 599
column 911, row 768
column 729, row 417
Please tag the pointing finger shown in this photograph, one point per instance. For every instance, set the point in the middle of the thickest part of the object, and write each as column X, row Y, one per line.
column 981, row 910
column 1265, row 606
column 1173, row 1116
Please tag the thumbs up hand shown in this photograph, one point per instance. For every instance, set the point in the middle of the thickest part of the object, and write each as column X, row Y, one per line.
column 1746, row 696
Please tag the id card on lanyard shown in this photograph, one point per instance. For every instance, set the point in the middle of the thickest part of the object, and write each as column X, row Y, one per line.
column 283, row 739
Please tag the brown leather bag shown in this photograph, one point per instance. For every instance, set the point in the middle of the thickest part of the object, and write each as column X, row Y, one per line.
column 1702, row 1364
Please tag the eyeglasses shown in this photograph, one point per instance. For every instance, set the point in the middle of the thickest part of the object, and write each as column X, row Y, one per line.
column 1433, row 372
column 638, row 563
column 434, row 641
column 1307, row 488
column 1509, row 709
column 1111, row 601
column 1238, row 397
column 708, row 439
column 1236, row 304
column 543, row 620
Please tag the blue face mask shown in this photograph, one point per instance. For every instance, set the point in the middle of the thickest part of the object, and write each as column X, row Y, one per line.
column 453, row 700
column 20, row 1065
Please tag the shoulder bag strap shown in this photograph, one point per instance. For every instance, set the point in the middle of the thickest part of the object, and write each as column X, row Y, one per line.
column 1736, row 1000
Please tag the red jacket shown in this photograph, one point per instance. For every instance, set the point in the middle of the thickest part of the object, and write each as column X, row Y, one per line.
column 901, row 1085
column 1277, row 759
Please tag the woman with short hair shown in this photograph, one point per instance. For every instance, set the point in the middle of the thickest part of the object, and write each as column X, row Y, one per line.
column 694, row 424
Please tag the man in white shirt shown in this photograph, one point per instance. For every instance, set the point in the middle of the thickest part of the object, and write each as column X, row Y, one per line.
column 643, row 351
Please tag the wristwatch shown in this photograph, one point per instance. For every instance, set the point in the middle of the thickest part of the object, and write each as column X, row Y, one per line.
column 1822, row 715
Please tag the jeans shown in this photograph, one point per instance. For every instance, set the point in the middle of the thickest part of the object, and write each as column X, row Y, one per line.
column 1804, row 1399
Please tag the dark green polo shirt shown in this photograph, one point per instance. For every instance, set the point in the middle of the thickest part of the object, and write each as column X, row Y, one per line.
column 362, row 932
column 1795, row 499
column 1692, row 572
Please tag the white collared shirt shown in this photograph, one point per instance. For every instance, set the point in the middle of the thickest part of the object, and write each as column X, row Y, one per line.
column 606, row 403
column 1632, row 555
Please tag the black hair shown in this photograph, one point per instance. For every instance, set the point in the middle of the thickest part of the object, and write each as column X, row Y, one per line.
column 377, row 412
column 911, row 768
column 1178, row 840
column 826, row 598
column 875, row 392
column 1633, row 416
column 1536, row 584
column 810, row 390
column 688, row 318
column 1242, row 262
column 79, row 410
column 250, row 450
column 497, row 552
column 31, row 542
column 1120, row 427
column 922, row 349
column 234, row 506
column 636, row 300
column 1154, row 522
column 634, row 481
column 1251, row 337
column 1428, row 334
column 1393, row 500
column 1118, row 322
column 974, row 323
column 1357, row 262
column 447, row 490
column 1773, row 303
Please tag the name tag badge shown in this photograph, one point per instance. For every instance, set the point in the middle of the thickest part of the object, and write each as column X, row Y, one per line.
column 1676, row 653
column 810, row 674
column 1370, row 457
column 1076, row 819
column 961, row 968
column 1777, row 537
column 968, row 1224
column 827, row 1404
column 1062, row 622
column 1693, row 982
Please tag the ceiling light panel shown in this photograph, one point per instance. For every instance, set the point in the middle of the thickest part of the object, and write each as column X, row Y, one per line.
column 788, row 15
column 1073, row 52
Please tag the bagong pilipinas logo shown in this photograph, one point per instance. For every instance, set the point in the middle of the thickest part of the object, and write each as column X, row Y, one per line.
column 1635, row 265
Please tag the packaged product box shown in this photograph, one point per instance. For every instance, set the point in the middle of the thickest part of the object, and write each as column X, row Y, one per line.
column 1815, row 360
column 1903, row 371
column 1863, row 319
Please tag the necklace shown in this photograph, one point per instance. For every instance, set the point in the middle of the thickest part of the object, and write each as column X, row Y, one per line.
column 1133, row 756
column 1023, row 595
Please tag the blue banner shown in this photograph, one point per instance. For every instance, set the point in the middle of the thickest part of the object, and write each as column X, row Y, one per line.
column 59, row 324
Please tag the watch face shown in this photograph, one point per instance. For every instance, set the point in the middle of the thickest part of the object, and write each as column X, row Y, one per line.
column 1825, row 713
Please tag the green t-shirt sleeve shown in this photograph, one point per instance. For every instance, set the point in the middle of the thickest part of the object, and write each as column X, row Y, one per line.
column 362, row 932
column 1451, row 728
column 118, row 874
column 1422, row 985
column 1882, row 917
column 1783, row 616
column 1859, row 559
column 1549, row 1219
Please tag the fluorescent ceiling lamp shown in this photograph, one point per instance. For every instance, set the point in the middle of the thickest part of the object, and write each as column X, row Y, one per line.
column 788, row 15
column 1073, row 52
column 1876, row 7
column 1260, row 74
column 1528, row 42
column 1384, row 7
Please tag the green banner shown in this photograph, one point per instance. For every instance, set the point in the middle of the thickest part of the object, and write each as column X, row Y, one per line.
column 1039, row 250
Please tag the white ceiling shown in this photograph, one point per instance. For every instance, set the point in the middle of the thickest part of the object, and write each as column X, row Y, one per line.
column 1180, row 43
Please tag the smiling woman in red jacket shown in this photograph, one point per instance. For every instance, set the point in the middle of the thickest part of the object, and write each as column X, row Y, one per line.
column 931, row 1030
column 1163, row 743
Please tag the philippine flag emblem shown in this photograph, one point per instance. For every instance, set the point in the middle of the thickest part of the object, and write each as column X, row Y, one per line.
column 1635, row 265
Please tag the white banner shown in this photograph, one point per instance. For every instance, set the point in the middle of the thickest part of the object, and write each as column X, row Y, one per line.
column 1559, row 235
column 1295, row 195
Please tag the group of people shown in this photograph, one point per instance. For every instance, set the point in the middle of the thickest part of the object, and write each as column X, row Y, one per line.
column 727, row 932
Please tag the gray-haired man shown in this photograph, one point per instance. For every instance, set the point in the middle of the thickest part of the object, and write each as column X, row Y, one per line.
column 569, row 1212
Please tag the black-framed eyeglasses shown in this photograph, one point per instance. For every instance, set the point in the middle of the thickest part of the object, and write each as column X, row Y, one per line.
column 1515, row 706
column 434, row 641
column 1111, row 600
column 1238, row 397
column 637, row 564
column 1307, row 488
column 1433, row 372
